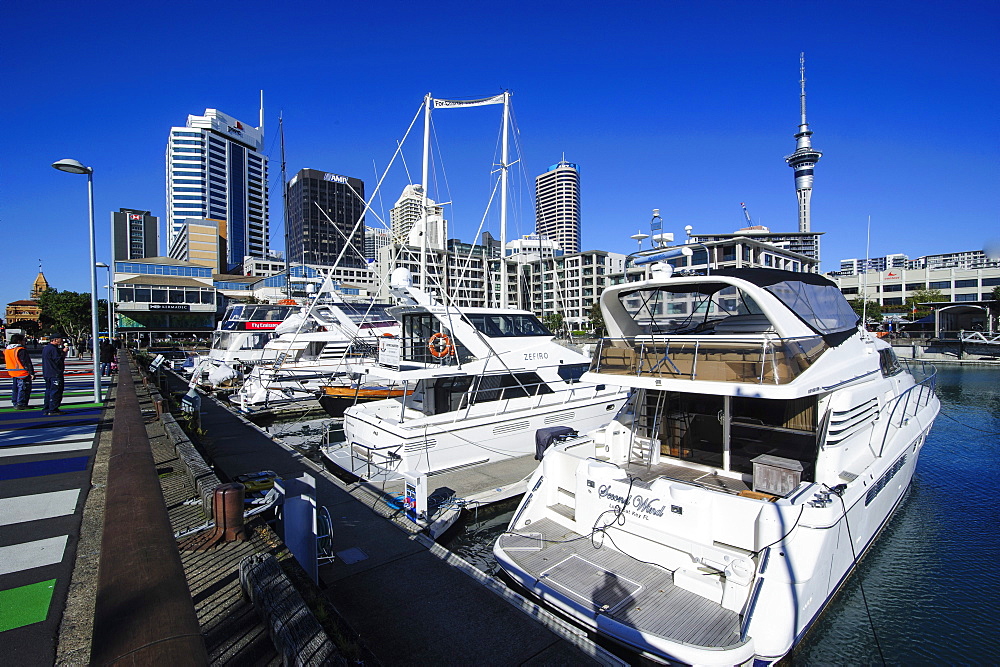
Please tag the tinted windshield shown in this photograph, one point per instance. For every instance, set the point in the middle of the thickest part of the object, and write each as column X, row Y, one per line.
column 502, row 325
column 822, row 307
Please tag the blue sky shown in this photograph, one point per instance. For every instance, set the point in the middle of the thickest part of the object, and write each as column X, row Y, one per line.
column 688, row 107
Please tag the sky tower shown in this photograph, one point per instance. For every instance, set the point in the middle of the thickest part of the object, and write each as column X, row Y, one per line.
column 805, row 156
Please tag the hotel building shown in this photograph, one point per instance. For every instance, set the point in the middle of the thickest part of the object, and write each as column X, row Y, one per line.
column 215, row 170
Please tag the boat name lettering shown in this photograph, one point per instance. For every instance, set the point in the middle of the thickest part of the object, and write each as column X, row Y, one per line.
column 640, row 506
column 528, row 356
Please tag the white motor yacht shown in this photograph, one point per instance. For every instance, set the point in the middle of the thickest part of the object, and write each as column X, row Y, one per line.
column 477, row 385
column 767, row 440
column 312, row 351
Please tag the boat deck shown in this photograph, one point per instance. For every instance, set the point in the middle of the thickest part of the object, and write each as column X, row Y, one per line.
column 606, row 582
column 682, row 473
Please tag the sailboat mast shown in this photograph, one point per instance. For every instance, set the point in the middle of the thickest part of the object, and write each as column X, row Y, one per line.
column 424, row 282
column 284, row 205
column 503, row 201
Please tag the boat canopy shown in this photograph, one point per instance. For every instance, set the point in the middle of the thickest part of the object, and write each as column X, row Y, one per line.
column 815, row 300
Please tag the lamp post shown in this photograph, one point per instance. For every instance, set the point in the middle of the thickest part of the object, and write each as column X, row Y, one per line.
column 71, row 166
column 708, row 255
column 111, row 302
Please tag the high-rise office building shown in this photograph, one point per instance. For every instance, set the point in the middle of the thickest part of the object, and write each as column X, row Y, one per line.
column 406, row 220
column 805, row 157
column 215, row 170
column 134, row 234
column 557, row 205
column 375, row 239
column 324, row 211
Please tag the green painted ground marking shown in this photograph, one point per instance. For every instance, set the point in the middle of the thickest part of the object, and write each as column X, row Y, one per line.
column 25, row 605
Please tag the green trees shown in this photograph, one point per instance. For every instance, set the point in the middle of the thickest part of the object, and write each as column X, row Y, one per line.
column 554, row 322
column 68, row 312
column 871, row 310
column 923, row 296
column 597, row 319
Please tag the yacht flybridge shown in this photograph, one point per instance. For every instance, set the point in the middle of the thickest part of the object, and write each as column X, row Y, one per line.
column 767, row 440
column 478, row 383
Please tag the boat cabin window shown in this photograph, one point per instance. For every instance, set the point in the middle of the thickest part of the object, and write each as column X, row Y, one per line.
column 240, row 340
column 889, row 362
column 785, row 428
column 573, row 372
column 417, row 332
column 690, row 427
column 503, row 325
column 509, row 385
column 666, row 309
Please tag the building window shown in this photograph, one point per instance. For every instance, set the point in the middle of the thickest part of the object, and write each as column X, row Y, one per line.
column 892, row 288
column 893, row 301
column 915, row 286
column 940, row 284
column 849, row 290
column 967, row 283
column 966, row 297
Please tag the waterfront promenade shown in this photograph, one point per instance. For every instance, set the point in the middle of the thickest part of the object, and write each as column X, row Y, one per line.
column 45, row 477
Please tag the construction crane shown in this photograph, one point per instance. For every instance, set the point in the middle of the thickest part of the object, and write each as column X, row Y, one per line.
column 746, row 213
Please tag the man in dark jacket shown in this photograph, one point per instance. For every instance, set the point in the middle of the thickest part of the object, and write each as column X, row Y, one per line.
column 53, row 369
column 107, row 356
column 21, row 371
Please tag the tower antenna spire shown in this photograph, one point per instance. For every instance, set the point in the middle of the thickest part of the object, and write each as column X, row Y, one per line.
column 802, row 82
column 805, row 157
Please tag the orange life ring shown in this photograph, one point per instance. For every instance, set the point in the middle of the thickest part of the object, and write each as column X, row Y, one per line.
column 440, row 345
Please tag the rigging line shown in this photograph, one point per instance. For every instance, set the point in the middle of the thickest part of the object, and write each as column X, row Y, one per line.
column 861, row 583
column 406, row 167
column 959, row 421
column 378, row 185
column 381, row 203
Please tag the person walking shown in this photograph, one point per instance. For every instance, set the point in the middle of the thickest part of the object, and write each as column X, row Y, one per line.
column 107, row 356
column 21, row 371
column 53, row 369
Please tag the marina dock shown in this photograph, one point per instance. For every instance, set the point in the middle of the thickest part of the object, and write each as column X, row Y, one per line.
column 403, row 597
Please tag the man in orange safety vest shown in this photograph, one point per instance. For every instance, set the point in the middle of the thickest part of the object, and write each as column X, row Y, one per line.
column 21, row 371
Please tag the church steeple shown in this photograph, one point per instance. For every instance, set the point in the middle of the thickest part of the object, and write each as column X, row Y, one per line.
column 805, row 157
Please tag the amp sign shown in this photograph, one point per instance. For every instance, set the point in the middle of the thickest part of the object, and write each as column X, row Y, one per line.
column 335, row 178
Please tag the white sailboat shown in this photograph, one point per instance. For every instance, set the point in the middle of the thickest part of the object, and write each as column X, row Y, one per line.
column 767, row 440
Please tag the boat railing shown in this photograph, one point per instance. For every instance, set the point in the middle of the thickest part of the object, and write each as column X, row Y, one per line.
column 908, row 404
column 758, row 359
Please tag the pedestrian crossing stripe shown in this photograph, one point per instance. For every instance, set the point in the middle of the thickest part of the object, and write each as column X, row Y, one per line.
column 25, row 605
column 29, row 555
column 57, row 448
column 37, row 506
column 40, row 468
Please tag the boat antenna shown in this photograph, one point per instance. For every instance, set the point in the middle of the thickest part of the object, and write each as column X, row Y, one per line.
column 284, row 205
column 864, row 280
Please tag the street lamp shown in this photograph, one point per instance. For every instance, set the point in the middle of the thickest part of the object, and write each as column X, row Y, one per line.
column 71, row 166
column 111, row 302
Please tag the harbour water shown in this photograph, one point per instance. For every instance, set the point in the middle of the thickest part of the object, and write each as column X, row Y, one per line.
column 929, row 582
